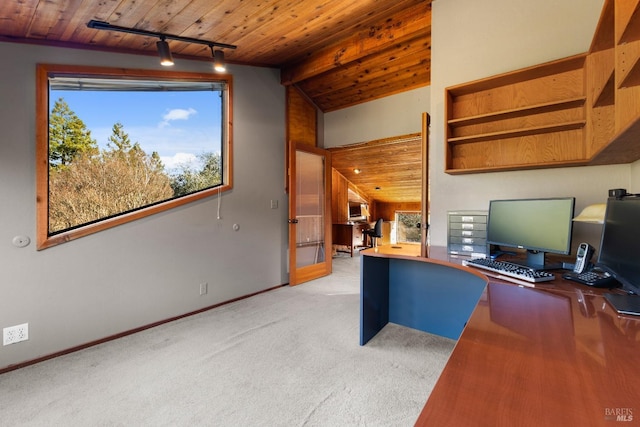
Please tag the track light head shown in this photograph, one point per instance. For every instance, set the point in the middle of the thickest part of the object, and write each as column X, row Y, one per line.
column 164, row 52
column 218, row 61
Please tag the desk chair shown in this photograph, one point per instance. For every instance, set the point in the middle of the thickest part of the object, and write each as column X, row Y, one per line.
column 373, row 233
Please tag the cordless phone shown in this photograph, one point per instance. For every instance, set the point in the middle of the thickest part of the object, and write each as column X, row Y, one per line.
column 585, row 252
column 583, row 274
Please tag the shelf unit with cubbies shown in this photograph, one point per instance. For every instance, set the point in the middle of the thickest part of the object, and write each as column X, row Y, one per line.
column 580, row 110
column 615, row 52
column 523, row 119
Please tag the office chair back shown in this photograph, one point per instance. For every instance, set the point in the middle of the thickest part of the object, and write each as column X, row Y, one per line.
column 377, row 230
column 374, row 233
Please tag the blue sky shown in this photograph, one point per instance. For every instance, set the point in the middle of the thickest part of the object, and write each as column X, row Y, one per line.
column 178, row 125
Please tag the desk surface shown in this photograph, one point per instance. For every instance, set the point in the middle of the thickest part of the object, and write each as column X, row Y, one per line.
column 556, row 354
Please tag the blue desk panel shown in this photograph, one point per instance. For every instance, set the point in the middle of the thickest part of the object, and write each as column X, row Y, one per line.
column 432, row 297
column 427, row 296
column 374, row 297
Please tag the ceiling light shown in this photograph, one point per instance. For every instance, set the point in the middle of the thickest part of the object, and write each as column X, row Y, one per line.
column 162, row 45
column 164, row 52
column 356, row 171
column 218, row 60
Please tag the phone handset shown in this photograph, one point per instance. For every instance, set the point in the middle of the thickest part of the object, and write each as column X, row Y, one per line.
column 583, row 257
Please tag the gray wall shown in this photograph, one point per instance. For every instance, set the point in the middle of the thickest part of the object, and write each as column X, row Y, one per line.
column 393, row 115
column 150, row 269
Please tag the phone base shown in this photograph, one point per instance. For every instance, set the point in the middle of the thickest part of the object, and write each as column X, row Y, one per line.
column 595, row 279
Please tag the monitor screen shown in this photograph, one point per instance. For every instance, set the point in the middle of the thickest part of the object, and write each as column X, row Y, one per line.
column 355, row 209
column 620, row 245
column 537, row 225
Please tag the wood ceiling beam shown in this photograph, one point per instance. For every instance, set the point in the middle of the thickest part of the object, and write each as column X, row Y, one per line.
column 414, row 53
column 368, row 91
column 405, row 25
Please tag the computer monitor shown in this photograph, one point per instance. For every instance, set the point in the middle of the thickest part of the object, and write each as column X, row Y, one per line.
column 356, row 212
column 538, row 225
column 619, row 251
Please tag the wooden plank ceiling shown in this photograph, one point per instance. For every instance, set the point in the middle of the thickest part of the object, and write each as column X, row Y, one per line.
column 389, row 169
column 339, row 53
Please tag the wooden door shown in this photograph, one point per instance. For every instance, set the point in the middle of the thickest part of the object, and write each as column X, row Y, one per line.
column 309, row 183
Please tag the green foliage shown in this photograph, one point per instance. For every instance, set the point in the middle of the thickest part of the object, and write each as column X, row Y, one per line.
column 87, row 184
column 95, row 186
column 68, row 136
column 189, row 180
column 407, row 228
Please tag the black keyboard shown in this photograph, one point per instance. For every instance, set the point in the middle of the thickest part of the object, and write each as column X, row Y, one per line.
column 510, row 270
column 597, row 279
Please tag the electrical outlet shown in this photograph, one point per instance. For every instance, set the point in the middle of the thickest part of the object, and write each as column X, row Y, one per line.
column 203, row 288
column 14, row 334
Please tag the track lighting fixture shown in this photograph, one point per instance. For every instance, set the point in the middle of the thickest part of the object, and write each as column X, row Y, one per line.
column 164, row 52
column 218, row 60
column 163, row 46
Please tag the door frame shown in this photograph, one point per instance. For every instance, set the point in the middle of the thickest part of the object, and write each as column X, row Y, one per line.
column 424, row 199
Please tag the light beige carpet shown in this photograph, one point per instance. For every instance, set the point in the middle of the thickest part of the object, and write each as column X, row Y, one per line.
column 289, row 357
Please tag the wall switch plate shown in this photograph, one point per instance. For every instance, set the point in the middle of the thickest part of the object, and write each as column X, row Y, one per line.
column 14, row 334
column 204, row 287
column 274, row 204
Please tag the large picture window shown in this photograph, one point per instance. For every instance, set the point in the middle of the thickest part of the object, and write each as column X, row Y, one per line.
column 116, row 145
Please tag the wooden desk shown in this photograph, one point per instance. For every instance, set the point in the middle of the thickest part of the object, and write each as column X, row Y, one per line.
column 349, row 235
column 553, row 355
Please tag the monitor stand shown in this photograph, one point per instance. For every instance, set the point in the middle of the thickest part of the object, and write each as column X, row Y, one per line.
column 624, row 304
column 496, row 251
column 536, row 261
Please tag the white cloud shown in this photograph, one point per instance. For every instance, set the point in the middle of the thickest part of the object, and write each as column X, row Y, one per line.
column 174, row 144
column 171, row 162
column 177, row 114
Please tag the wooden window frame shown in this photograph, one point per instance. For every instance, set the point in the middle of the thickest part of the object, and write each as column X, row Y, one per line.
column 43, row 71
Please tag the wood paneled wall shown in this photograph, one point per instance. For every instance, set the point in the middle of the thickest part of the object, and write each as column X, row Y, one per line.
column 387, row 211
column 302, row 122
column 339, row 198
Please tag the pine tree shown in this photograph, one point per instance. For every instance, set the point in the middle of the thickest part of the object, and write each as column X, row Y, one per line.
column 68, row 136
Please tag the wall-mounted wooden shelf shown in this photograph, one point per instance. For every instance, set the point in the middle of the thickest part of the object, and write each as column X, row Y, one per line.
column 606, row 95
column 604, row 37
column 629, row 21
column 581, row 110
column 507, row 120
column 515, row 112
column 534, row 130
column 630, row 76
